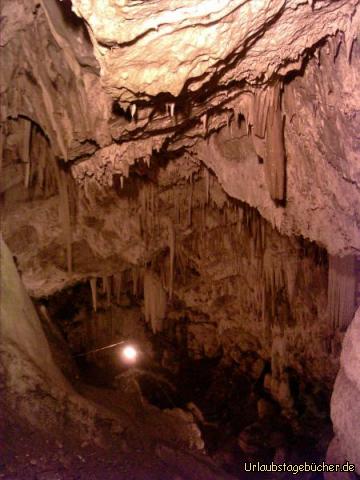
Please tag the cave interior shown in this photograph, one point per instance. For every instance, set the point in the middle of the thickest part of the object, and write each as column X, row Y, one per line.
column 180, row 246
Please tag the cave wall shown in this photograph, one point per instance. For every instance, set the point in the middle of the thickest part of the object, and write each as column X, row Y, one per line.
column 31, row 381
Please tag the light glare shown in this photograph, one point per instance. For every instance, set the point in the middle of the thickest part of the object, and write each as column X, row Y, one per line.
column 129, row 353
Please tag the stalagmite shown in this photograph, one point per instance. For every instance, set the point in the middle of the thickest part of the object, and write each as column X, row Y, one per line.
column 93, row 293
column 154, row 301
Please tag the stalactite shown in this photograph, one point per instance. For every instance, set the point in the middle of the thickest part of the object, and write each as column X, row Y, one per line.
column 228, row 121
column 133, row 111
column 171, row 236
column 135, row 280
column 177, row 209
column 351, row 34
column 64, row 210
column 117, row 287
column 273, row 280
column 341, row 291
column 154, row 301
column 108, row 290
column 260, row 114
column 203, row 217
column 357, row 280
column 42, row 163
column 65, row 207
column 317, row 56
column 50, row 110
column 275, row 159
column 152, row 207
column 103, row 284
column 240, row 220
column 207, row 186
column 263, row 234
column 204, row 121
column 172, row 109
column 26, row 146
column 290, row 268
column 334, row 44
column 93, row 293
column 189, row 220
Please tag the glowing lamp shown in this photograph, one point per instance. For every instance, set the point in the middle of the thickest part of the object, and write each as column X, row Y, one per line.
column 129, row 353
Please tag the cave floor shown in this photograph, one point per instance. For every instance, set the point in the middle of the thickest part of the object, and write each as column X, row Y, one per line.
column 135, row 453
column 29, row 454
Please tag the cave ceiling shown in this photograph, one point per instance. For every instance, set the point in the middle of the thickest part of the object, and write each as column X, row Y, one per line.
column 264, row 94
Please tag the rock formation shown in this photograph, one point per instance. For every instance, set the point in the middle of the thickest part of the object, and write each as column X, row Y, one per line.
column 346, row 395
column 194, row 166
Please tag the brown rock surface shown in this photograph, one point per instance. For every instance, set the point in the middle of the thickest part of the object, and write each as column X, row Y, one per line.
column 345, row 401
column 201, row 158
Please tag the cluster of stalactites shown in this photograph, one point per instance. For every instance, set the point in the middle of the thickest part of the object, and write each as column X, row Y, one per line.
column 143, row 281
column 148, row 212
column 114, row 160
column 155, row 301
column 279, row 274
column 242, row 232
column 42, row 175
column 264, row 118
column 344, row 281
column 112, row 286
column 22, row 140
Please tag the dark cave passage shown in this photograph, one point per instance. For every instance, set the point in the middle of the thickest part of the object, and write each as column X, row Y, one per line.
column 230, row 401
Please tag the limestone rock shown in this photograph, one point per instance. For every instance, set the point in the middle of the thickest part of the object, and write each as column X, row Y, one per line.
column 205, row 33
column 345, row 401
column 335, row 455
